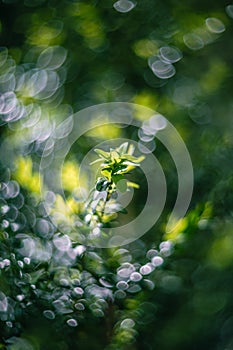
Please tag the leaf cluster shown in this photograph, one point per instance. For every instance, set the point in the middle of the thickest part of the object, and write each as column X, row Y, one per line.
column 115, row 165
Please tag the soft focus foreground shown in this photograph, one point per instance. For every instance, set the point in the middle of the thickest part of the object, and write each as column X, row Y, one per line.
column 59, row 288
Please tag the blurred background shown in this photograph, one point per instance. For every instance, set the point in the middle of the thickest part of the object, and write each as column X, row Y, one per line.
column 57, row 58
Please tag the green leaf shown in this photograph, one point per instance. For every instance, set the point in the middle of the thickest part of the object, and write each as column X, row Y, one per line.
column 126, row 168
column 115, row 156
column 102, row 154
column 122, row 149
column 102, row 184
column 129, row 163
column 117, row 177
column 132, row 184
column 120, row 169
column 96, row 161
column 131, row 149
column 133, row 159
column 107, row 173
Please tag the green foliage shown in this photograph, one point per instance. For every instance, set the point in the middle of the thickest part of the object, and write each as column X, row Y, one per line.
column 50, row 273
column 114, row 166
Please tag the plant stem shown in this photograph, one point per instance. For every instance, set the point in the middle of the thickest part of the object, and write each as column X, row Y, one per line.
column 108, row 196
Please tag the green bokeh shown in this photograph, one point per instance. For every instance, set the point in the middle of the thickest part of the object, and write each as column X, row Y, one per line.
column 93, row 53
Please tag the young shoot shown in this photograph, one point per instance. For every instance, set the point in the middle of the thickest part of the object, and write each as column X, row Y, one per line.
column 115, row 164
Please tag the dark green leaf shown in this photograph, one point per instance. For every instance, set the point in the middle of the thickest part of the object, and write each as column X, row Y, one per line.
column 102, row 184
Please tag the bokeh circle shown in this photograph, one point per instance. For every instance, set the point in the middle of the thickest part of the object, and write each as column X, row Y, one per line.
column 122, row 113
